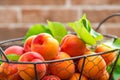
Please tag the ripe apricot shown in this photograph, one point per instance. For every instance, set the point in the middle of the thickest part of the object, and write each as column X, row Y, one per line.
column 105, row 76
column 9, row 72
column 27, row 71
column 51, row 77
column 94, row 66
column 109, row 57
column 45, row 45
column 15, row 77
column 76, row 76
column 14, row 50
column 73, row 45
column 27, row 43
column 63, row 69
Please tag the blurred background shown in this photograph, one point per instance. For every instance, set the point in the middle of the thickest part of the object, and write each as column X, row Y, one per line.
column 17, row 16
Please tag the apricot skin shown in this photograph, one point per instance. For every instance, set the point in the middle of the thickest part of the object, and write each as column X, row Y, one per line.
column 62, row 69
column 45, row 45
column 51, row 77
column 109, row 57
column 27, row 71
column 27, row 43
column 14, row 50
column 9, row 72
column 73, row 45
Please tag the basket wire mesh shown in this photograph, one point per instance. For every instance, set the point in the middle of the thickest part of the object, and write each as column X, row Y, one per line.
column 18, row 41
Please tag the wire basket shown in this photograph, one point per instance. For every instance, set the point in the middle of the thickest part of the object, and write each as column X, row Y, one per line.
column 18, row 41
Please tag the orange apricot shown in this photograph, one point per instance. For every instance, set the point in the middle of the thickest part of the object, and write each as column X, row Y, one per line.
column 73, row 45
column 51, row 77
column 9, row 72
column 27, row 71
column 45, row 45
column 14, row 50
column 76, row 76
column 105, row 76
column 27, row 43
column 109, row 57
column 63, row 69
column 94, row 66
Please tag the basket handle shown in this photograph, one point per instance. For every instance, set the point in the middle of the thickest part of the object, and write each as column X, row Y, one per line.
column 105, row 19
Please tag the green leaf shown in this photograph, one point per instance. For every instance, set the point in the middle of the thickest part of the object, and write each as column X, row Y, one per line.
column 109, row 68
column 118, row 63
column 88, row 26
column 96, row 35
column 57, row 29
column 13, row 57
column 116, row 43
column 85, row 32
column 81, row 31
column 86, row 23
column 36, row 29
column 116, row 76
column 116, row 73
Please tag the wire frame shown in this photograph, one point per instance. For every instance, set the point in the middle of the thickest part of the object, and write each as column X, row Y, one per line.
column 18, row 41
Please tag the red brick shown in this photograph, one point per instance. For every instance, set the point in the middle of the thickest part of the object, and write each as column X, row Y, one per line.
column 81, row 2
column 10, row 33
column 61, row 15
column 32, row 2
column 8, row 16
column 113, row 29
column 114, row 2
column 99, row 15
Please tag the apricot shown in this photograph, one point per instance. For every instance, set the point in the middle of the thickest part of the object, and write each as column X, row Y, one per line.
column 63, row 69
column 9, row 72
column 105, row 76
column 45, row 45
column 73, row 45
column 51, row 77
column 27, row 43
column 76, row 76
column 94, row 66
column 27, row 71
column 109, row 57
column 15, row 77
column 14, row 50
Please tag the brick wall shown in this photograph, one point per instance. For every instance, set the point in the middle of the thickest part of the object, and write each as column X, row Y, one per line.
column 16, row 16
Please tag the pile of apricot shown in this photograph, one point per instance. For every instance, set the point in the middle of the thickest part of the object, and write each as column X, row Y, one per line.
column 43, row 47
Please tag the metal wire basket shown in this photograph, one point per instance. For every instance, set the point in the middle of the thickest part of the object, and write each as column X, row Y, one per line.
column 18, row 41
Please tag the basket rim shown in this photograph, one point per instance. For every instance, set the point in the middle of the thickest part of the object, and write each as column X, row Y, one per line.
column 51, row 61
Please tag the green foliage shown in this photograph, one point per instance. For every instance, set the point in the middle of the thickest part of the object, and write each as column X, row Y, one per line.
column 36, row 29
column 116, row 43
column 116, row 73
column 57, row 29
column 13, row 57
column 85, row 32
